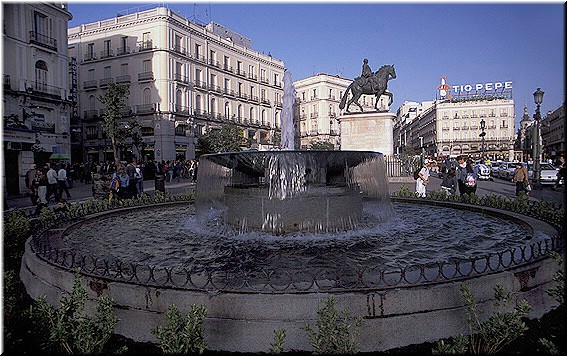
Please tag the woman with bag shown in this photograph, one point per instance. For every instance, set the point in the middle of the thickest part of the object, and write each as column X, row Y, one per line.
column 521, row 179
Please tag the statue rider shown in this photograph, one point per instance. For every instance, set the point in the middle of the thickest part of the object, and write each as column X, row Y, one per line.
column 366, row 73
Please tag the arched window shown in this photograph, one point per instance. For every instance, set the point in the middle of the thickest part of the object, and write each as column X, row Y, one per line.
column 263, row 117
column 147, row 96
column 198, row 104
column 252, row 116
column 179, row 100
column 239, row 113
column 41, row 72
column 92, row 102
column 213, row 108
column 227, row 110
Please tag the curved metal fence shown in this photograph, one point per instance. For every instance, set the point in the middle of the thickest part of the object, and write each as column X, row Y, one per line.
column 47, row 244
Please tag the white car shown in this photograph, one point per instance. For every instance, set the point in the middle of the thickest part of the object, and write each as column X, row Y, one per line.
column 494, row 168
column 548, row 173
column 483, row 171
column 506, row 170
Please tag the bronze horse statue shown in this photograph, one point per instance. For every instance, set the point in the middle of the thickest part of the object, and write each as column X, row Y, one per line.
column 377, row 85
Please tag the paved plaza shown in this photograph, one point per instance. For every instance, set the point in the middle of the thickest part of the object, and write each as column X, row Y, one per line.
column 82, row 191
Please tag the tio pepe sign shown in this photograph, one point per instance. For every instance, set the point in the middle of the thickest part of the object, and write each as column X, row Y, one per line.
column 457, row 89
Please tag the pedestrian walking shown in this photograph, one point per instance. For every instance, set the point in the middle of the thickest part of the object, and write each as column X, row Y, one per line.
column 448, row 183
column 470, row 179
column 30, row 175
column 521, row 179
column 52, row 184
column 560, row 173
column 62, row 181
column 423, row 180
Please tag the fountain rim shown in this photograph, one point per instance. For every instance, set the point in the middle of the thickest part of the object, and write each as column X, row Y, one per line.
column 531, row 252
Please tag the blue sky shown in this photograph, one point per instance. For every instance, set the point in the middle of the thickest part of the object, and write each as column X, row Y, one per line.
column 468, row 43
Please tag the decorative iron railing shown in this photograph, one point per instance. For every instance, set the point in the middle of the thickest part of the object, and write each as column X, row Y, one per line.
column 46, row 244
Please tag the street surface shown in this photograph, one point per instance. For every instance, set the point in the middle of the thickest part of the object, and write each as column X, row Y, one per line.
column 82, row 191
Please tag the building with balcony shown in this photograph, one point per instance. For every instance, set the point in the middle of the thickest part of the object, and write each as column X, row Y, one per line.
column 316, row 110
column 452, row 125
column 184, row 79
column 36, row 104
column 552, row 136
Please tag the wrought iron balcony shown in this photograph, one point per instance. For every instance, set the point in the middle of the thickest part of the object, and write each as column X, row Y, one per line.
column 123, row 79
column 144, row 76
column 89, row 84
column 145, row 46
column 106, row 53
column 145, row 108
column 43, row 40
column 123, row 50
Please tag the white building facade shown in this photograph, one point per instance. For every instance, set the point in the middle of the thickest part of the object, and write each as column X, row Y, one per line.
column 317, row 110
column 453, row 125
column 36, row 104
column 184, row 79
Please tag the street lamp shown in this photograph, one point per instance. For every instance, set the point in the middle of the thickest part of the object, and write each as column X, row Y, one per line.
column 482, row 134
column 422, row 149
column 538, row 99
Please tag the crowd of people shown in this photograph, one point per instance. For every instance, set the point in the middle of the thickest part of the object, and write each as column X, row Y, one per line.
column 461, row 175
column 458, row 175
column 51, row 182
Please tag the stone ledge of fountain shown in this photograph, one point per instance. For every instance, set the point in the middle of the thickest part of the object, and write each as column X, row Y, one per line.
column 244, row 321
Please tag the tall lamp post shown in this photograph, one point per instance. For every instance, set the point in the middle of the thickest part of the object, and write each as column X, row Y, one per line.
column 538, row 99
column 482, row 134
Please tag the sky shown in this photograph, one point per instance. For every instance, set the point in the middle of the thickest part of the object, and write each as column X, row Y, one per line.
column 468, row 43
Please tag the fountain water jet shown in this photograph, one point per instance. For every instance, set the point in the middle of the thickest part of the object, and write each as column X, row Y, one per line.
column 279, row 191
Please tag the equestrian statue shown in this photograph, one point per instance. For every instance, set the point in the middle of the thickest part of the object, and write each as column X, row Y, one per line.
column 369, row 83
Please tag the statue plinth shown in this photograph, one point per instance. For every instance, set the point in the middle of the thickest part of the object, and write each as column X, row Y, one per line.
column 368, row 131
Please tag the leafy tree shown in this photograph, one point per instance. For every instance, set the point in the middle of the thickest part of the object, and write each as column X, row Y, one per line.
column 116, row 126
column 229, row 138
column 320, row 145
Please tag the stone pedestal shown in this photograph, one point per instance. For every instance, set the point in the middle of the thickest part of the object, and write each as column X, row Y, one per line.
column 368, row 131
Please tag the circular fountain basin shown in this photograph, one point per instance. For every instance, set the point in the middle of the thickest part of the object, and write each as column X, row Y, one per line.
column 282, row 191
column 249, row 291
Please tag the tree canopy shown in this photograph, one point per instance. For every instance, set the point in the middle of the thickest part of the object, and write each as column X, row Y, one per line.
column 118, row 127
column 229, row 138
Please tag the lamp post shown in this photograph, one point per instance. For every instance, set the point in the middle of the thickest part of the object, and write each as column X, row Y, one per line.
column 482, row 134
column 422, row 149
column 538, row 99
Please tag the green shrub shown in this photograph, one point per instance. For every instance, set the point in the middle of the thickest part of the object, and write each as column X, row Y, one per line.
column 10, row 294
column 68, row 329
column 182, row 335
column 277, row 345
column 16, row 224
column 490, row 336
column 46, row 216
column 335, row 335
column 17, row 228
column 558, row 291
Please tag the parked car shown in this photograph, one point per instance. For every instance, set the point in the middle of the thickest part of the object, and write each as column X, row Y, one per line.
column 494, row 168
column 548, row 173
column 483, row 171
column 506, row 170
